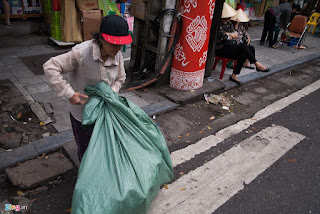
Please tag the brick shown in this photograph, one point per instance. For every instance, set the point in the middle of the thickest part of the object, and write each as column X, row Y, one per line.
column 246, row 98
column 38, row 171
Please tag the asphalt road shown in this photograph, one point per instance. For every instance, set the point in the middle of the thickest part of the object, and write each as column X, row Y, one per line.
column 291, row 184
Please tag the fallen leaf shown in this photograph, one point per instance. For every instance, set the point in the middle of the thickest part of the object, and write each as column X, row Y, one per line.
column 69, row 210
column 19, row 115
column 188, row 134
column 179, row 136
column 165, row 186
column 19, row 193
column 33, row 200
column 44, row 128
column 41, row 123
column 293, row 160
column 46, row 157
column 188, row 141
column 182, row 189
column 181, row 173
column 254, row 128
column 209, row 127
column 192, row 91
column 211, row 118
column 200, row 132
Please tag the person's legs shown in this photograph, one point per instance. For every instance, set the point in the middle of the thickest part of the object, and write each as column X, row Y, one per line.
column 233, row 52
column 7, row 11
column 271, row 30
column 252, row 50
column 247, row 62
column 267, row 22
column 81, row 135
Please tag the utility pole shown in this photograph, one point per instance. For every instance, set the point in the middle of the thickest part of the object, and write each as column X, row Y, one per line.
column 213, row 36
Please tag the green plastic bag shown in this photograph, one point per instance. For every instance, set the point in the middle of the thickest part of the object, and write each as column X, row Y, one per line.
column 127, row 159
column 108, row 5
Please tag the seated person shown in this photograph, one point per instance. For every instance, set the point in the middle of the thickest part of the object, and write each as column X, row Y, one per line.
column 228, row 47
column 295, row 11
column 240, row 22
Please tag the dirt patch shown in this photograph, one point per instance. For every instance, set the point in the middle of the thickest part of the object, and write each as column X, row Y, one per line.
column 19, row 125
column 34, row 63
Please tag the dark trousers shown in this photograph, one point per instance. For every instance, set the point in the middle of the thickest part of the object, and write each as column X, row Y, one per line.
column 240, row 53
column 82, row 136
column 268, row 27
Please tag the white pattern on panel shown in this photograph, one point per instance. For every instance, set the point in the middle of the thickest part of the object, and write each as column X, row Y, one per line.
column 182, row 80
column 187, row 5
column 211, row 8
column 197, row 33
column 180, row 55
column 203, row 59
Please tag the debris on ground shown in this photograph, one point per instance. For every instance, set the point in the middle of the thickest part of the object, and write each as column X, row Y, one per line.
column 218, row 99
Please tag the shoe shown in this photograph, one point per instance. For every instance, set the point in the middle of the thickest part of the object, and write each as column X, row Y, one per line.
column 261, row 43
column 233, row 80
column 250, row 67
column 266, row 70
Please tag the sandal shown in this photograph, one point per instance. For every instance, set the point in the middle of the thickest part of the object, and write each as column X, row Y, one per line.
column 249, row 67
column 266, row 70
column 233, row 80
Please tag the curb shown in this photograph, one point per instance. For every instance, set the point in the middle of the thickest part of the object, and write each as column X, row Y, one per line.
column 274, row 69
column 12, row 157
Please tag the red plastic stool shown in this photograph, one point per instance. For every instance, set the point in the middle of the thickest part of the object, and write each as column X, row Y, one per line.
column 224, row 64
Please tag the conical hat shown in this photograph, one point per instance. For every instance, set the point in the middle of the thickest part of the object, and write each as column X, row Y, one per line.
column 228, row 11
column 241, row 15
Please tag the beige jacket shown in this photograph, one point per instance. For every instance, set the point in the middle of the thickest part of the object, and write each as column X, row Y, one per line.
column 87, row 68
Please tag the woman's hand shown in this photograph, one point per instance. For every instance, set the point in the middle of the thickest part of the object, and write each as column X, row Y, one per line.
column 233, row 35
column 78, row 99
column 248, row 41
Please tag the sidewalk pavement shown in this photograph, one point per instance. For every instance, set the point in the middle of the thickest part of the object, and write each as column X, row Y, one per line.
column 153, row 101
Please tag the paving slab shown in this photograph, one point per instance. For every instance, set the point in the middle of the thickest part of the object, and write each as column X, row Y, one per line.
column 269, row 97
column 71, row 150
column 261, row 90
column 62, row 118
column 5, row 75
column 46, row 97
column 48, row 108
column 246, row 98
column 160, row 107
column 12, row 157
column 61, row 127
column 138, row 101
column 183, row 97
column 37, row 88
column 60, row 107
column 37, row 171
column 25, row 81
column 40, row 113
column 289, row 80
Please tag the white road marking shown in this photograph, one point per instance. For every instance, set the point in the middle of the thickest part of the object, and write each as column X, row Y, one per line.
column 204, row 144
column 211, row 185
